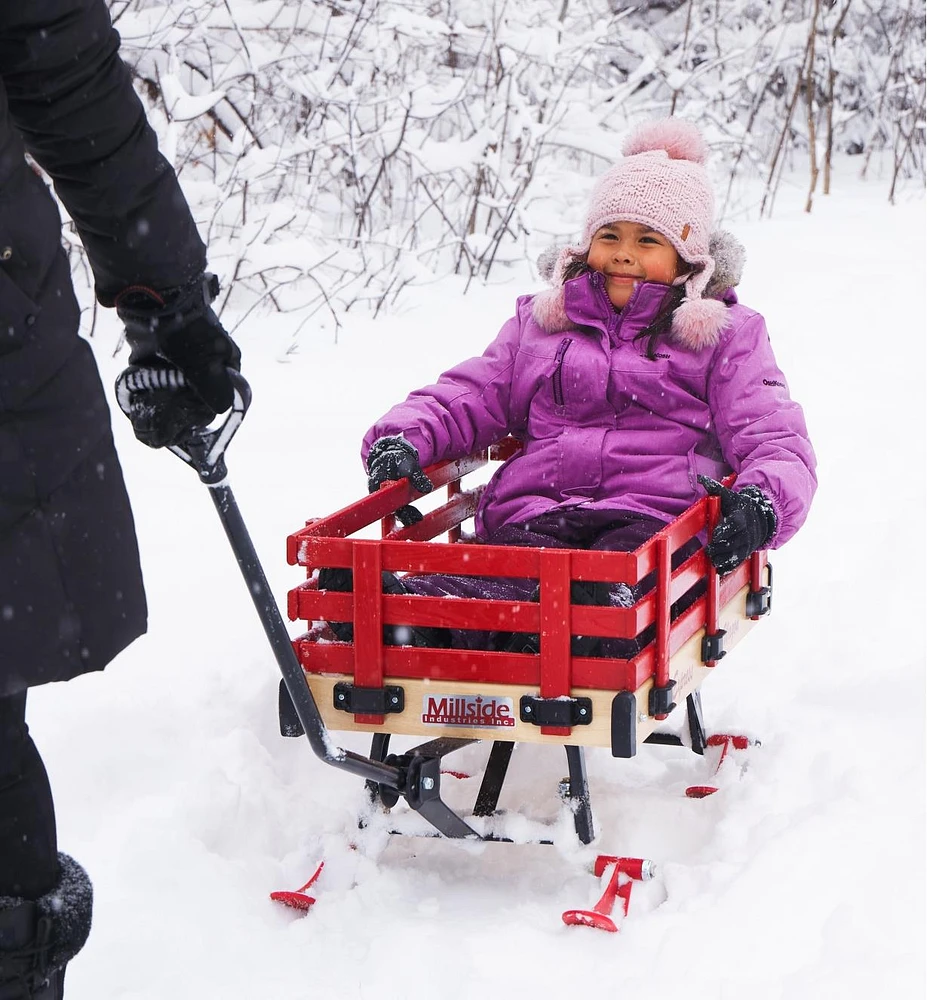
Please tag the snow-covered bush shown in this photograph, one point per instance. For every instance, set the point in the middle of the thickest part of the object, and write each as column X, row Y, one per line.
column 340, row 151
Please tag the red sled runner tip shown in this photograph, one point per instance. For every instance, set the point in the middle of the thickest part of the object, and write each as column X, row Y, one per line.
column 298, row 899
column 700, row 791
column 590, row 918
column 729, row 744
column 624, row 872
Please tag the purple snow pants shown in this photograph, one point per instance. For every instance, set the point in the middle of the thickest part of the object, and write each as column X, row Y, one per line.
column 574, row 528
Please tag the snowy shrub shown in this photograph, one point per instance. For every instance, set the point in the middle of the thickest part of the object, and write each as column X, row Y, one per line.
column 337, row 152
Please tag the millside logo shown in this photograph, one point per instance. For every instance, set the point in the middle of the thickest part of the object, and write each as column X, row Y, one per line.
column 467, row 710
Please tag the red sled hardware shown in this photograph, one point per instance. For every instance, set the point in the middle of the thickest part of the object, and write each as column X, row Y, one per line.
column 729, row 744
column 622, row 874
column 298, row 899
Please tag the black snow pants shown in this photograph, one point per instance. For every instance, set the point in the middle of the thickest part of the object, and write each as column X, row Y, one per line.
column 28, row 835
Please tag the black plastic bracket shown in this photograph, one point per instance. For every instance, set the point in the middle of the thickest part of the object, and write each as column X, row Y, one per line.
column 491, row 786
column 713, row 647
column 555, row 711
column 696, row 722
column 661, row 739
column 423, row 793
column 624, row 724
column 347, row 697
column 660, row 700
column 696, row 728
column 759, row 602
column 577, row 794
column 390, row 796
column 286, row 713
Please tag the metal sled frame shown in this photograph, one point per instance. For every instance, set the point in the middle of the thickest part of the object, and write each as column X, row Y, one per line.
column 456, row 697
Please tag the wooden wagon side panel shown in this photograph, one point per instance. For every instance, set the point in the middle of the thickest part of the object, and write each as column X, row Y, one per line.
column 431, row 699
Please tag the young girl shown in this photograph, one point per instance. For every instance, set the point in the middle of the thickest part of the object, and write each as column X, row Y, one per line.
column 635, row 378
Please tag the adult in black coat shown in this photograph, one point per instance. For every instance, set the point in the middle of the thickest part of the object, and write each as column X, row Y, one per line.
column 71, row 593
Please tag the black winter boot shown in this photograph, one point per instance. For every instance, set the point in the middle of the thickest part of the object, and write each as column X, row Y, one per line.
column 342, row 580
column 617, row 595
column 39, row 937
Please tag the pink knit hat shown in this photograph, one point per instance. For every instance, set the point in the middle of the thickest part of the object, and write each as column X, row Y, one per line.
column 660, row 182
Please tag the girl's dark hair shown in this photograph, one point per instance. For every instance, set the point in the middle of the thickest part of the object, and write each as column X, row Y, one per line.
column 575, row 268
column 662, row 321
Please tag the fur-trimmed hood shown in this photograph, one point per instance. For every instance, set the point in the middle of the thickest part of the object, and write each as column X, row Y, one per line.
column 697, row 322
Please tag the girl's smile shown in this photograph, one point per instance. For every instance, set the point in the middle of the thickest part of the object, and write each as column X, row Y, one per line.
column 628, row 252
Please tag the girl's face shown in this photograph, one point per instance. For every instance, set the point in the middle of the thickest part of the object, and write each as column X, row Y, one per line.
column 629, row 252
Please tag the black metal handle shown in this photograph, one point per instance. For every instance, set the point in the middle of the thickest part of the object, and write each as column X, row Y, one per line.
column 204, row 450
column 306, row 709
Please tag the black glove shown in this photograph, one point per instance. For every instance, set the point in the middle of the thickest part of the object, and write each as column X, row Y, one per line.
column 162, row 407
column 747, row 523
column 393, row 458
column 177, row 329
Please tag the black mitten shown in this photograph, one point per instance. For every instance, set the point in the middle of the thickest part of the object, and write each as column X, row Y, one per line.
column 747, row 523
column 178, row 329
column 392, row 458
column 162, row 407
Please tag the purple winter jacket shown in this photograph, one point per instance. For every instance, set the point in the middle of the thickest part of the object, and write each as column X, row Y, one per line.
column 603, row 426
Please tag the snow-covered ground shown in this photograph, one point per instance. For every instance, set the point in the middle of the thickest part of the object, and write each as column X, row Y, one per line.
column 805, row 879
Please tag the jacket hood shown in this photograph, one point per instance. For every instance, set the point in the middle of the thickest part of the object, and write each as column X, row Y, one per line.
column 697, row 322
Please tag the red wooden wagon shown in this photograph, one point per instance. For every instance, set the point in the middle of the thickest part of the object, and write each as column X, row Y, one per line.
column 454, row 697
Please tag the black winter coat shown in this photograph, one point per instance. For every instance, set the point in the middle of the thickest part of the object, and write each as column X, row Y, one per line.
column 71, row 592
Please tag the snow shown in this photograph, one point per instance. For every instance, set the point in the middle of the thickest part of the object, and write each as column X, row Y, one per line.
column 802, row 878
column 184, row 107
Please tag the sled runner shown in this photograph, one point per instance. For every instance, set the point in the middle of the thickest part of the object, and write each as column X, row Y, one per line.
column 456, row 697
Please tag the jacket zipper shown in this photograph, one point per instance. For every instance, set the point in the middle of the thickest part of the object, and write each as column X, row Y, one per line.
column 558, row 370
column 613, row 323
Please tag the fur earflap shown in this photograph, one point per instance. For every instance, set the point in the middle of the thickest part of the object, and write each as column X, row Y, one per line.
column 698, row 323
column 547, row 262
column 729, row 256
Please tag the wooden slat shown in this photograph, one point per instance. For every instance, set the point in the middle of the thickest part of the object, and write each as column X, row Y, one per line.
column 441, row 519
column 609, row 567
column 368, row 627
column 313, row 605
column 662, row 641
column 463, row 558
column 556, row 626
column 386, row 500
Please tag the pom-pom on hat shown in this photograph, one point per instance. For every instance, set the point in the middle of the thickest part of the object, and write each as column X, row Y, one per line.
column 660, row 182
